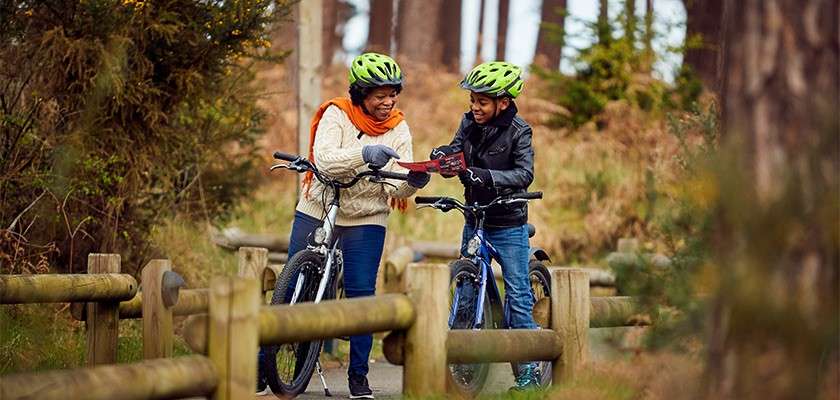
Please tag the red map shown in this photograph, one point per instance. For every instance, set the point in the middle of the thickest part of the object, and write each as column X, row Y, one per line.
column 449, row 165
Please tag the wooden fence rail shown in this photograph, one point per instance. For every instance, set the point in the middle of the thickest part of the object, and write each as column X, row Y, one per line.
column 170, row 378
column 62, row 288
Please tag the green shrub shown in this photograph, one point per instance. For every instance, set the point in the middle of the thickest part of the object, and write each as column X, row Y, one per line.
column 115, row 114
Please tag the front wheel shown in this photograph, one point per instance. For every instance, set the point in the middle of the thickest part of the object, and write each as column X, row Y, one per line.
column 289, row 367
column 540, row 280
column 467, row 379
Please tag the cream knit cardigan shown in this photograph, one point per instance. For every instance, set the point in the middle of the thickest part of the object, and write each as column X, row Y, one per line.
column 338, row 153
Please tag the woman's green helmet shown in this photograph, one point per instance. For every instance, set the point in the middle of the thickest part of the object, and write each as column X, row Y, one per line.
column 495, row 78
column 373, row 69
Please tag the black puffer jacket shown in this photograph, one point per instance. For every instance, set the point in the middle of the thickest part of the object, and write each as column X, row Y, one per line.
column 504, row 148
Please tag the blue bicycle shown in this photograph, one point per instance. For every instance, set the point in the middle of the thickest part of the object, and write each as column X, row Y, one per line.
column 476, row 302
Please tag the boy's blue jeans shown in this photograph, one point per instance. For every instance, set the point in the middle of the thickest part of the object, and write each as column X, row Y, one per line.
column 362, row 249
column 514, row 250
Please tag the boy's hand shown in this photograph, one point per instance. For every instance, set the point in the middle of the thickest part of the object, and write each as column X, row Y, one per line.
column 474, row 176
column 418, row 180
column 442, row 151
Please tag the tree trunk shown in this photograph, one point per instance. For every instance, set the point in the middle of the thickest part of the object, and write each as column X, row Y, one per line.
column 649, row 34
column 775, row 334
column 550, row 38
column 630, row 21
column 335, row 16
column 603, row 27
column 379, row 27
column 501, row 32
column 479, row 41
column 450, row 34
column 416, row 20
column 703, row 23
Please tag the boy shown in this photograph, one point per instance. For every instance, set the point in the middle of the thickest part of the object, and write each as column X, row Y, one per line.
column 500, row 160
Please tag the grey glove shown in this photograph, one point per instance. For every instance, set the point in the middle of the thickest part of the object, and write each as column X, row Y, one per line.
column 377, row 155
column 418, row 180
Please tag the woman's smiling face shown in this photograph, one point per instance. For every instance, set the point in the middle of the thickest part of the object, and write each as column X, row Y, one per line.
column 380, row 101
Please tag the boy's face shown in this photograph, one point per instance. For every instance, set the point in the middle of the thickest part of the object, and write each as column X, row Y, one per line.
column 484, row 108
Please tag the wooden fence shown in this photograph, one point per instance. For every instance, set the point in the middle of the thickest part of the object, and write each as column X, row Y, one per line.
column 238, row 321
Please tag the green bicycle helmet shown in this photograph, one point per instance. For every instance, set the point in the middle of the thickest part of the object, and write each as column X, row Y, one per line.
column 373, row 69
column 495, row 78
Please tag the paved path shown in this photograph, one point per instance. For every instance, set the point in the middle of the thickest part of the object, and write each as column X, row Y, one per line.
column 386, row 382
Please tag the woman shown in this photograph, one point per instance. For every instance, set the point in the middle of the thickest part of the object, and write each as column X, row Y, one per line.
column 347, row 136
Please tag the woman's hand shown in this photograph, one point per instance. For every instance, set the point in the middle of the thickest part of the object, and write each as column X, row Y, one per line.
column 418, row 179
column 377, row 155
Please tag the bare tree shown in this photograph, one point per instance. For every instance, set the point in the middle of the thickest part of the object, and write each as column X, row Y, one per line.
column 379, row 27
column 777, row 305
column 704, row 20
column 603, row 26
column 416, row 20
column 480, row 40
column 501, row 32
column 630, row 21
column 649, row 34
column 450, row 34
column 335, row 16
column 550, row 38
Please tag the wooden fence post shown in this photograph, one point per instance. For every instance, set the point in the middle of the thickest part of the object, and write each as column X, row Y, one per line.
column 233, row 337
column 157, row 317
column 102, row 323
column 570, row 319
column 424, row 372
column 252, row 262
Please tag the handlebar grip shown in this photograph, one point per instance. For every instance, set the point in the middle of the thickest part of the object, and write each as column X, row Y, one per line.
column 427, row 199
column 393, row 175
column 527, row 196
column 285, row 157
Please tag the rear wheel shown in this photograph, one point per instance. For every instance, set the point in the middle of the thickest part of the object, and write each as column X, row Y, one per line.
column 467, row 379
column 289, row 367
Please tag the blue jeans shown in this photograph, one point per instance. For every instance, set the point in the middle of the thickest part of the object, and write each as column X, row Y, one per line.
column 361, row 247
column 514, row 251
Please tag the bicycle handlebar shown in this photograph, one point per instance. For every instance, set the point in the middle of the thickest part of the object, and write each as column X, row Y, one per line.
column 428, row 199
column 285, row 157
column 393, row 175
column 301, row 164
column 527, row 195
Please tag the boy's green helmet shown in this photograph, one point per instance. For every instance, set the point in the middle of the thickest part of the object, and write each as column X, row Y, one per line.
column 373, row 69
column 495, row 78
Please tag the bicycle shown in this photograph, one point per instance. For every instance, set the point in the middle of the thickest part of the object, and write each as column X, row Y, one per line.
column 474, row 274
column 315, row 273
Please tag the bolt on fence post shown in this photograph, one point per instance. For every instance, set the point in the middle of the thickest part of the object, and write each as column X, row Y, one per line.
column 102, row 322
column 570, row 319
column 233, row 336
column 157, row 317
column 252, row 262
column 424, row 370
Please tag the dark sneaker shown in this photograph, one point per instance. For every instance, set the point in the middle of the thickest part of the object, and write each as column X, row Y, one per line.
column 359, row 388
column 528, row 379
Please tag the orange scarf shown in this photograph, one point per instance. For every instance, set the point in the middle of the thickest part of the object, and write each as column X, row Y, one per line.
column 363, row 122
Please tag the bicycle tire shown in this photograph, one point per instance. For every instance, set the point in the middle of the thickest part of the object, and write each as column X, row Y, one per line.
column 468, row 379
column 540, row 281
column 293, row 379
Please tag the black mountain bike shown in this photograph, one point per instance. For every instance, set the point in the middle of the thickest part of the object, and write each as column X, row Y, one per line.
column 474, row 297
column 316, row 273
